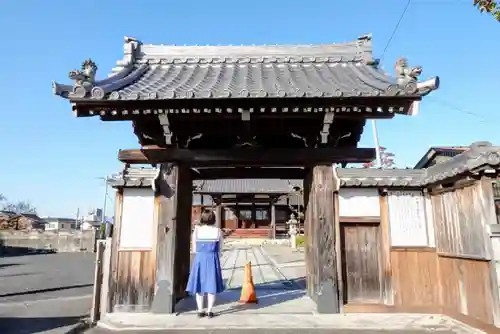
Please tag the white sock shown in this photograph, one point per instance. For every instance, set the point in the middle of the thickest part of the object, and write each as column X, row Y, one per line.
column 211, row 301
column 199, row 302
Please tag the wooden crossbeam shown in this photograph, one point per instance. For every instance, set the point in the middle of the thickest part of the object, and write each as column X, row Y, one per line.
column 247, row 157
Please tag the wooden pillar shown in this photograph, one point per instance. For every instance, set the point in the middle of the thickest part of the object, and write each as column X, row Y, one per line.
column 273, row 217
column 218, row 215
column 386, row 270
column 321, row 254
column 174, row 194
column 115, row 242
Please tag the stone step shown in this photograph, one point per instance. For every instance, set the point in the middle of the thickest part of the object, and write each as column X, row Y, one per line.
column 248, row 233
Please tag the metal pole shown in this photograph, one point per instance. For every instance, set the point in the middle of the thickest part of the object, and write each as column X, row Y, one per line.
column 76, row 220
column 377, row 146
column 103, row 218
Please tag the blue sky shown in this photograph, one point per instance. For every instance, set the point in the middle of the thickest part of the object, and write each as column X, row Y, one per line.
column 53, row 160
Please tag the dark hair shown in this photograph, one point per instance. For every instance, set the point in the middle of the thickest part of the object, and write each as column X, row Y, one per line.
column 207, row 217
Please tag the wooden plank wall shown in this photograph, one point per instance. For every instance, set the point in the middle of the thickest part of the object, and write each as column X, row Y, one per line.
column 415, row 273
column 455, row 277
column 133, row 272
column 460, row 219
column 464, row 258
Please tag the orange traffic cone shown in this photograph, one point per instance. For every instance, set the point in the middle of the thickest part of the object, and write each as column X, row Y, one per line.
column 248, row 288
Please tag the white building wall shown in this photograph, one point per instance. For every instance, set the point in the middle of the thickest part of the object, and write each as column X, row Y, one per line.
column 408, row 218
column 137, row 219
column 359, row 202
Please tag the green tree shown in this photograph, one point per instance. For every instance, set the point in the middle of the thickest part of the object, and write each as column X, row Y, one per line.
column 488, row 6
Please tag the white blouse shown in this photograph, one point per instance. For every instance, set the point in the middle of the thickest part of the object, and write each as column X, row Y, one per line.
column 206, row 233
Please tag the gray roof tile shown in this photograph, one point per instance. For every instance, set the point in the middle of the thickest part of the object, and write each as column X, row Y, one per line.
column 201, row 72
column 235, row 186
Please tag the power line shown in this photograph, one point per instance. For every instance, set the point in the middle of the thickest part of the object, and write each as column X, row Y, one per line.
column 395, row 29
column 443, row 103
column 461, row 110
column 374, row 124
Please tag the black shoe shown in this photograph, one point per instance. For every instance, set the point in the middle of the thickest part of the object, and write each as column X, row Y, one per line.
column 201, row 314
column 210, row 314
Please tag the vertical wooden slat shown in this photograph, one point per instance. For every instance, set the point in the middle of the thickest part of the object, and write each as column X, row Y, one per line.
column 488, row 197
column 114, row 249
column 308, row 231
column 106, row 269
column 338, row 251
column 273, row 218
column 386, row 269
column 98, row 281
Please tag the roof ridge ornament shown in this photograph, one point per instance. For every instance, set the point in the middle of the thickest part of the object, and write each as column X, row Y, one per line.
column 407, row 76
column 84, row 78
column 130, row 50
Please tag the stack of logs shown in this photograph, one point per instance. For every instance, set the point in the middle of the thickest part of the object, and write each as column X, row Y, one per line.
column 18, row 222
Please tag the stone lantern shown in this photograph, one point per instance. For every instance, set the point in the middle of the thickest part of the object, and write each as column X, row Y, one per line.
column 293, row 230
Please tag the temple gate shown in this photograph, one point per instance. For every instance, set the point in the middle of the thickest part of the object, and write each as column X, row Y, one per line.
column 205, row 112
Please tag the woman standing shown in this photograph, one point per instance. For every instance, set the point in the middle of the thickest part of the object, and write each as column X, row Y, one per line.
column 205, row 277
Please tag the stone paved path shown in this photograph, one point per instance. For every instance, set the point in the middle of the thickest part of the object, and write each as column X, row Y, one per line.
column 283, row 307
column 279, row 290
column 272, row 331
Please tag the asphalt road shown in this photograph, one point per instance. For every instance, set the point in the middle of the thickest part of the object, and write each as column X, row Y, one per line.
column 44, row 276
column 45, row 293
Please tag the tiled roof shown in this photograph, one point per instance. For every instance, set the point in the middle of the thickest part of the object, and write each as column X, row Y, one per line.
column 479, row 156
column 448, row 151
column 451, row 148
column 371, row 177
column 235, row 186
column 202, row 72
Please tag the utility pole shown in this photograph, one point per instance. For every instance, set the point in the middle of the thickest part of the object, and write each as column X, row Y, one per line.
column 77, row 217
column 377, row 146
column 103, row 215
column 106, row 230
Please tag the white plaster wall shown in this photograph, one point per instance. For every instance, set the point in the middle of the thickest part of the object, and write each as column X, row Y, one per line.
column 137, row 220
column 407, row 218
column 359, row 202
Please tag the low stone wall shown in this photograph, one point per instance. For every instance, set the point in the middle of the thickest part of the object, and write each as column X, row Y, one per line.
column 17, row 242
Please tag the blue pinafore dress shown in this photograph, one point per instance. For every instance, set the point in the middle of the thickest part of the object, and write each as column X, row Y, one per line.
column 206, row 271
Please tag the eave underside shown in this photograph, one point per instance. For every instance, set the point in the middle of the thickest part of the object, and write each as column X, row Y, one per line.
column 221, row 124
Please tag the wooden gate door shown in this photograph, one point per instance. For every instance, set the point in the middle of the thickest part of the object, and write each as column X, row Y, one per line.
column 360, row 263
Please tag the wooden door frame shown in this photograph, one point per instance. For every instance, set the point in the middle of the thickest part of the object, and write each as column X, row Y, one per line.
column 360, row 221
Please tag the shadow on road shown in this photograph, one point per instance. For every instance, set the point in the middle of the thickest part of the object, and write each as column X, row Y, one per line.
column 12, row 325
column 16, row 275
column 9, row 251
column 30, row 292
